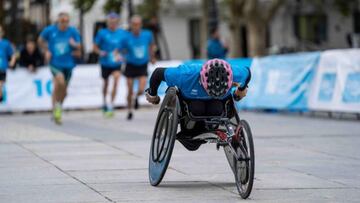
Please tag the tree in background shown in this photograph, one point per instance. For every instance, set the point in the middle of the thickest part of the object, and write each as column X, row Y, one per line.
column 209, row 21
column 345, row 7
column 2, row 12
column 113, row 6
column 204, row 24
column 256, row 16
column 235, row 22
column 257, row 20
column 83, row 6
column 149, row 10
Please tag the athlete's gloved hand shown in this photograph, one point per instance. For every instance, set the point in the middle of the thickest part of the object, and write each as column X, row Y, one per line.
column 239, row 92
column 151, row 99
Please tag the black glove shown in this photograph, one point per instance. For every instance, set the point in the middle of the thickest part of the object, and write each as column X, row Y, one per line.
column 150, row 98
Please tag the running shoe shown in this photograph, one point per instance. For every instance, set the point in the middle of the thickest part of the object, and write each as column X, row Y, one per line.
column 109, row 112
column 130, row 116
column 136, row 105
column 104, row 108
column 57, row 112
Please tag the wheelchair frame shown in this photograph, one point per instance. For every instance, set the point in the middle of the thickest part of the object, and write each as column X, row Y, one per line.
column 231, row 133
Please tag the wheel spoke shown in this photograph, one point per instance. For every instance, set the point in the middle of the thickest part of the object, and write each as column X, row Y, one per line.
column 157, row 138
column 244, row 174
column 162, row 150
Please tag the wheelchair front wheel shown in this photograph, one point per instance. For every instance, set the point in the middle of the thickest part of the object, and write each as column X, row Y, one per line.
column 163, row 139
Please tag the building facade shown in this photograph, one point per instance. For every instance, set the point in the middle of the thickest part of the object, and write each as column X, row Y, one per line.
column 297, row 26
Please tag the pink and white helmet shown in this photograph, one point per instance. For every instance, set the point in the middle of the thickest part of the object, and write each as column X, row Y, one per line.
column 216, row 77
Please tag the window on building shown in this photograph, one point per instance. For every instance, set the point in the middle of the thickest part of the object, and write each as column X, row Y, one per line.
column 356, row 21
column 244, row 41
column 194, row 32
column 311, row 28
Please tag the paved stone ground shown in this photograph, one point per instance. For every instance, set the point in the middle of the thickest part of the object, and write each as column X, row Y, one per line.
column 93, row 159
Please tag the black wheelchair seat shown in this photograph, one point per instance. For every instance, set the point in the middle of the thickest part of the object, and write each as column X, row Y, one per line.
column 187, row 109
column 193, row 123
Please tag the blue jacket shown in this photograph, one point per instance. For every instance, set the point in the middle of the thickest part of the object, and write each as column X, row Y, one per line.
column 187, row 79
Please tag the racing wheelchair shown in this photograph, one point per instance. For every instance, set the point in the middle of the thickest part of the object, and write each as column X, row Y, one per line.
column 226, row 130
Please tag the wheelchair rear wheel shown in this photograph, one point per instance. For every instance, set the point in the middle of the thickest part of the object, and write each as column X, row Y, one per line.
column 163, row 139
column 244, row 169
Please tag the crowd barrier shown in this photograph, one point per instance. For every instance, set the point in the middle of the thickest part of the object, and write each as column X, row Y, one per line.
column 25, row 91
column 281, row 82
column 318, row 81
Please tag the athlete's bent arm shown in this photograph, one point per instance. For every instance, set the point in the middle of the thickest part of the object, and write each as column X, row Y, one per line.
column 45, row 49
column 42, row 44
column 152, row 50
column 241, row 91
column 12, row 61
column 156, row 78
column 98, row 51
column 74, row 44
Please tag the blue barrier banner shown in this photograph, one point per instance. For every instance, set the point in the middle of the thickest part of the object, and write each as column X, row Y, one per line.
column 281, row 82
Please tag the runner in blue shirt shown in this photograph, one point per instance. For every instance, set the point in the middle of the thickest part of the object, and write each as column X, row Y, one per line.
column 215, row 48
column 140, row 49
column 6, row 53
column 61, row 44
column 108, row 45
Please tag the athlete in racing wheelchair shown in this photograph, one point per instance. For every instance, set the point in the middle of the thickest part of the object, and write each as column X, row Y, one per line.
column 201, row 98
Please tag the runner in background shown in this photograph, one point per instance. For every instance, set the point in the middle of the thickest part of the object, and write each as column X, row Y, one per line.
column 140, row 51
column 6, row 53
column 60, row 43
column 106, row 45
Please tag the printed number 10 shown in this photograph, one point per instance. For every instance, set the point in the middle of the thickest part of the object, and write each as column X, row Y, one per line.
column 40, row 86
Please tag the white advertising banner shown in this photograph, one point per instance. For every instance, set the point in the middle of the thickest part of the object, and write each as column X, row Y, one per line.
column 336, row 86
column 25, row 91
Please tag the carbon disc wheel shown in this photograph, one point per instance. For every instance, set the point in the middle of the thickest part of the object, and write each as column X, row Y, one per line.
column 163, row 139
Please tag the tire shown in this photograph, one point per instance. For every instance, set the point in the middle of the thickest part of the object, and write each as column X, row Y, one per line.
column 163, row 140
column 244, row 170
